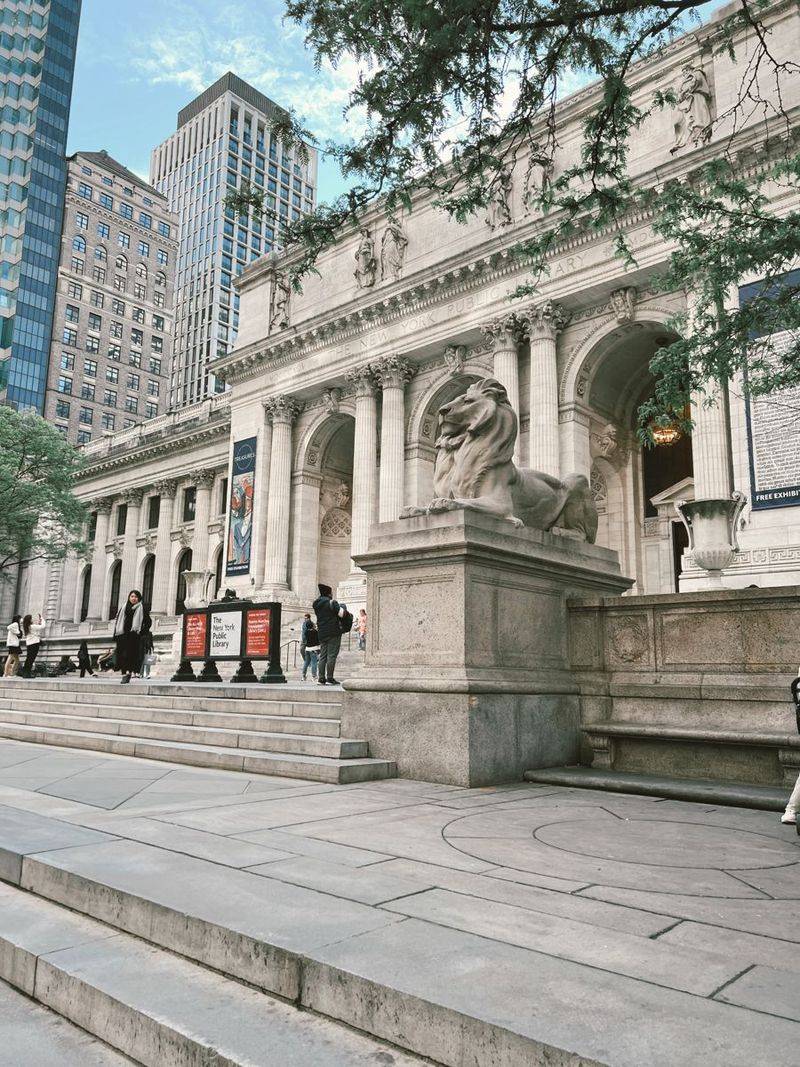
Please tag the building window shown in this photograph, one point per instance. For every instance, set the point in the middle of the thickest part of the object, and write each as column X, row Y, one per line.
column 87, row 391
column 110, row 398
column 119, row 283
column 85, row 191
column 115, row 353
column 143, row 248
column 189, row 497
column 76, row 265
column 62, row 409
column 150, row 409
column 126, row 210
column 145, row 220
column 154, row 366
column 158, row 299
column 112, row 374
column 161, row 280
column 70, row 337
column 135, row 359
column 140, row 291
column 106, row 201
column 103, row 230
column 71, row 313
column 107, row 420
column 95, row 320
column 152, row 388
column 223, row 497
column 153, row 512
column 107, row 180
column 158, row 322
column 78, row 243
column 65, row 385
column 157, row 344
column 122, row 519
column 84, row 436
column 137, row 337
column 85, row 416
column 92, row 344
column 124, row 241
column 132, row 404
column 100, row 254
column 67, row 361
column 141, row 271
column 138, row 315
column 116, row 328
column 81, row 220
column 97, row 300
column 133, row 381
column 162, row 257
column 99, row 275
column 118, row 306
column 163, row 229
column 75, row 290
column 90, row 367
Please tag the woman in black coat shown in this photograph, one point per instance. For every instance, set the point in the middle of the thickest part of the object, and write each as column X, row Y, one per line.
column 84, row 659
column 127, row 635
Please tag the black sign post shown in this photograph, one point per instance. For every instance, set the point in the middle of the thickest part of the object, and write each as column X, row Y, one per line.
column 235, row 631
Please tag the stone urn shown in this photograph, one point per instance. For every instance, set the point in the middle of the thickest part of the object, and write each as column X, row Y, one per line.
column 712, row 526
column 196, row 588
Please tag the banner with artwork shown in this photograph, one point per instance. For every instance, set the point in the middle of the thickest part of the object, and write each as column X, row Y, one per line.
column 240, row 511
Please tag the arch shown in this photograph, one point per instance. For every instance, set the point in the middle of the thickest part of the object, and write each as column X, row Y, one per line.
column 146, row 582
column 100, row 254
column 141, row 271
column 161, row 280
column 184, row 564
column 444, row 387
column 86, row 588
column 315, row 438
column 218, row 558
column 121, row 263
column 115, row 579
column 78, row 243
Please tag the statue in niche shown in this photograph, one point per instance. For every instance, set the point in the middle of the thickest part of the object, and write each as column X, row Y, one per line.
column 366, row 263
column 694, row 103
column 474, row 469
column 498, row 212
column 281, row 295
column 393, row 250
column 538, row 177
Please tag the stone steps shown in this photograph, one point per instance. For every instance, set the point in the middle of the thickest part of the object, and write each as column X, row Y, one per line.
column 157, row 1008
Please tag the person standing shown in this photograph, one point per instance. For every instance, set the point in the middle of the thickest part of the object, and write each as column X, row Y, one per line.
column 13, row 640
column 84, row 659
column 328, row 612
column 33, row 631
column 310, row 651
column 362, row 630
column 303, row 631
column 127, row 635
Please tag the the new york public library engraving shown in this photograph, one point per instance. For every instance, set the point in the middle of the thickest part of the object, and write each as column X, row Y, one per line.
column 474, row 469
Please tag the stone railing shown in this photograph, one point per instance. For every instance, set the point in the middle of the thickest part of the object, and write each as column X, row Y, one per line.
column 208, row 410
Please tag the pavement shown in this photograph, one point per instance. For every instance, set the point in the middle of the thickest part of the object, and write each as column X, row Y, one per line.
column 612, row 928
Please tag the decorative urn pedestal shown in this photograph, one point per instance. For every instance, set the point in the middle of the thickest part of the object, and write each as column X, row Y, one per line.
column 713, row 526
column 196, row 588
column 467, row 678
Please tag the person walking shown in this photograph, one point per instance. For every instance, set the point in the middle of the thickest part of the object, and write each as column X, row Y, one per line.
column 362, row 630
column 13, row 640
column 127, row 635
column 311, row 651
column 84, row 659
column 790, row 815
column 328, row 612
column 303, row 631
column 33, row 631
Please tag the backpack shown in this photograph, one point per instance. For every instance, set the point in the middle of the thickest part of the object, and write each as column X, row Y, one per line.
column 312, row 636
column 345, row 621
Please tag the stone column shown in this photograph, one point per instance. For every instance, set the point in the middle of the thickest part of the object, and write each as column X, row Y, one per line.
column 282, row 411
column 711, row 438
column 365, row 460
column 542, row 323
column 161, row 592
column 503, row 333
column 204, row 480
column 97, row 588
column 392, row 373
column 133, row 499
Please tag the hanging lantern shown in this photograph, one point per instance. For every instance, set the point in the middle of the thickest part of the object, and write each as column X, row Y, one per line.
column 665, row 434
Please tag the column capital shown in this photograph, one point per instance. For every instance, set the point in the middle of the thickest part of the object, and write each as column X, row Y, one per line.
column 203, row 479
column 501, row 330
column 166, row 488
column 362, row 379
column 542, row 321
column 102, row 505
column 394, row 372
column 133, row 497
column 281, row 409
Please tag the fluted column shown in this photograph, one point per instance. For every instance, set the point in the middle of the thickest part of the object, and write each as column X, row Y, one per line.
column 711, row 437
column 103, row 508
column 392, row 373
column 365, row 459
column 133, row 498
column 503, row 333
column 166, row 491
column 203, row 480
column 542, row 323
column 282, row 411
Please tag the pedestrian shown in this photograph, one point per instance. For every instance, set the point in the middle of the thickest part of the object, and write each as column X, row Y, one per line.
column 790, row 815
column 84, row 659
column 328, row 612
column 362, row 630
column 33, row 631
column 311, row 651
column 128, row 635
column 106, row 661
column 13, row 640
column 303, row 631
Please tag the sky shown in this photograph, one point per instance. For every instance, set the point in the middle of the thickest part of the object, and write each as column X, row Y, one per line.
column 139, row 64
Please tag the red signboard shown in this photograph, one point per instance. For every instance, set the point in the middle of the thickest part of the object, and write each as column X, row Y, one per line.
column 257, row 634
column 195, row 628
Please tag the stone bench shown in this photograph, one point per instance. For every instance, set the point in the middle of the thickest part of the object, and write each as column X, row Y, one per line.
column 763, row 757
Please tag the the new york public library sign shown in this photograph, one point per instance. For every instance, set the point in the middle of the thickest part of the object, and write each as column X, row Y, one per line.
column 231, row 631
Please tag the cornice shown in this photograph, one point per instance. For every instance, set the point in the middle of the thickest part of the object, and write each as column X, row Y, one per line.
column 143, row 453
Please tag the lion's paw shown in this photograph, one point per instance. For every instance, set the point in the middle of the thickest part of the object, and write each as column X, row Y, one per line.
column 411, row 512
column 441, row 503
column 515, row 521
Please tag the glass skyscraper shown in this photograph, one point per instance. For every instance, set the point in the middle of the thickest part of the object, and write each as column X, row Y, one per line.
column 223, row 140
column 38, row 40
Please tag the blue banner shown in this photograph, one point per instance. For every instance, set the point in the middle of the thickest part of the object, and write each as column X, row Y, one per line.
column 240, row 510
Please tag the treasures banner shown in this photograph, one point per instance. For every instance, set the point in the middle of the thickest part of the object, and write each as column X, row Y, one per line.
column 240, row 514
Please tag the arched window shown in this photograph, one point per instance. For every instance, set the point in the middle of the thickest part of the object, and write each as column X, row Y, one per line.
column 121, row 263
column 85, row 591
column 116, row 575
column 79, row 243
column 141, row 271
column 148, row 575
column 100, row 254
column 161, row 280
column 184, row 564
column 217, row 575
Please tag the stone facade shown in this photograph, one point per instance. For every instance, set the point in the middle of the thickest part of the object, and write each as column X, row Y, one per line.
column 338, row 386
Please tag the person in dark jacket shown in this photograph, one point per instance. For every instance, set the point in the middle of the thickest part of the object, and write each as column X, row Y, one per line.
column 328, row 612
column 127, row 633
column 84, row 659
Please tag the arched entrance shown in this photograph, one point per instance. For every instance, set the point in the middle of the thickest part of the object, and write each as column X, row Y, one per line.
column 184, row 564
column 634, row 488
column 116, row 578
column 336, row 506
column 215, row 591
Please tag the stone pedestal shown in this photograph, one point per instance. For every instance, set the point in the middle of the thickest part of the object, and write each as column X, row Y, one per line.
column 467, row 677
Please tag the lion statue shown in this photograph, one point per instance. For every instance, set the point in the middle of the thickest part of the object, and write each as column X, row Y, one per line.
column 474, row 469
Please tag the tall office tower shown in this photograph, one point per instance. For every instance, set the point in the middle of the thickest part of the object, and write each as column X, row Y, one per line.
column 111, row 350
column 222, row 140
column 38, row 39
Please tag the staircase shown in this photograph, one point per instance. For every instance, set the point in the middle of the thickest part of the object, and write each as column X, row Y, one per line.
column 280, row 730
